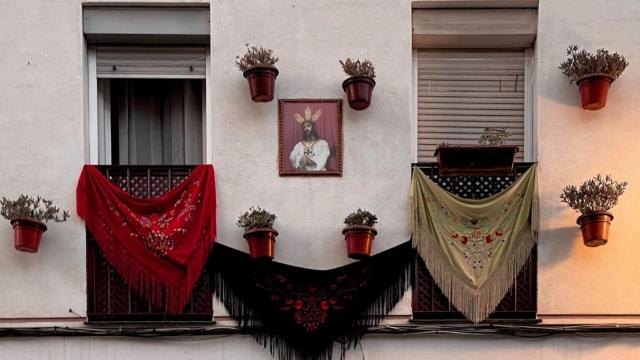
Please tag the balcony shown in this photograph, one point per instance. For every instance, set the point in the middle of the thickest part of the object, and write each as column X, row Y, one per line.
column 520, row 302
column 109, row 298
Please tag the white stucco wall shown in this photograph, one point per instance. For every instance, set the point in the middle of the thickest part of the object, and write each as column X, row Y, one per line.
column 42, row 149
column 575, row 145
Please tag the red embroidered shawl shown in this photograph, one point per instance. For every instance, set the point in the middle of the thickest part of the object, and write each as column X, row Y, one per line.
column 159, row 246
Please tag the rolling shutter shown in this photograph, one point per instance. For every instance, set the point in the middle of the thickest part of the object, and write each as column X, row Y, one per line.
column 462, row 93
column 150, row 62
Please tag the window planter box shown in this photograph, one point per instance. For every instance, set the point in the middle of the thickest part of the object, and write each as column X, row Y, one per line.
column 474, row 160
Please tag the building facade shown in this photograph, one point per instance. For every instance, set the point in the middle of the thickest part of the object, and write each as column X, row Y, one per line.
column 51, row 101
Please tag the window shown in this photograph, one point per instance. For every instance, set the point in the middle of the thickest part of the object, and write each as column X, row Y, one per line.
column 146, row 120
column 460, row 93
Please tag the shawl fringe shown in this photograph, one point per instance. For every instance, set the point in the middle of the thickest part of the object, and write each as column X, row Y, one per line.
column 243, row 309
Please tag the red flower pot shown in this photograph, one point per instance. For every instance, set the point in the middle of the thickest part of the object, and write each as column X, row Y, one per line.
column 595, row 228
column 262, row 82
column 594, row 89
column 27, row 234
column 262, row 242
column 359, row 239
column 359, row 90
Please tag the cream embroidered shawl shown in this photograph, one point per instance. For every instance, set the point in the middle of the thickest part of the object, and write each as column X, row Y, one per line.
column 474, row 249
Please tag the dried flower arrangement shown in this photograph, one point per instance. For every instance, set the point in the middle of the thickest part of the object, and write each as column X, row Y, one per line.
column 256, row 218
column 580, row 63
column 594, row 195
column 255, row 56
column 358, row 67
column 27, row 207
column 494, row 136
column 361, row 217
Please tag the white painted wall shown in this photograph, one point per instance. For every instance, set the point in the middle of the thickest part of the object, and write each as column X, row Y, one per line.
column 42, row 149
column 574, row 145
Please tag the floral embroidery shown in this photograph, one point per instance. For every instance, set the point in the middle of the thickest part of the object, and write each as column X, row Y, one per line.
column 157, row 234
column 477, row 245
column 311, row 304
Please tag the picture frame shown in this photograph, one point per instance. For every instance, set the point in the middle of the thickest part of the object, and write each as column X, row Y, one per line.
column 310, row 139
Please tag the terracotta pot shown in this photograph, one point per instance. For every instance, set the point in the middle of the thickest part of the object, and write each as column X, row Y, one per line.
column 359, row 239
column 359, row 90
column 262, row 243
column 262, row 82
column 595, row 228
column 594, row 89
column 27, row 234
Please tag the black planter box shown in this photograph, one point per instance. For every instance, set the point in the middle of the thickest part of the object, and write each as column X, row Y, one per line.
column 474, row 160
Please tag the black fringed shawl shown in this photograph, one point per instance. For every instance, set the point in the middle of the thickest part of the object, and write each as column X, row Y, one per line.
column 298, row 313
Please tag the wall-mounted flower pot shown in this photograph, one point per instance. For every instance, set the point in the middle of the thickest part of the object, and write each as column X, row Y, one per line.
column 359, row 90
column 359, row 239
column 262, row 82
column 262, row 243
column 594, row 89
column 27, row 234
column 595, row 228
column 475, row 160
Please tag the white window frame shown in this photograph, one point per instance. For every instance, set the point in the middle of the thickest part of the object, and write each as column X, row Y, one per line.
column 94, row 129
column 530, row 107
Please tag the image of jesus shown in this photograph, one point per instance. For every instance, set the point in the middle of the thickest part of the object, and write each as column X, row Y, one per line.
column 312, row 152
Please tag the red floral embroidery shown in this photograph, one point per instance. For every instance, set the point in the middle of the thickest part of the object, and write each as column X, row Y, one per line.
column 489, row 239
column 465, row 240
column 311, row 304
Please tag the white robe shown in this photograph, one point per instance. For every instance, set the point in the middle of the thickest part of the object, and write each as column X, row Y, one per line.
column 318, row 152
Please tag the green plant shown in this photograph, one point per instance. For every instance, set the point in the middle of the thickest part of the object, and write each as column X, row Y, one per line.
column 31, row 208
column 256, row 218
column 579, row 63
column 596, row 194
column 494, row 136
column 358, row 67
column 361, row 217
column 255, row 55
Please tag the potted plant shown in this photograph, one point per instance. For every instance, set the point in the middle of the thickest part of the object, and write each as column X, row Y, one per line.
column 593, row 199
column 28, row 216
column 359, row 233
column 489, row 157
column 257, row 67
column 359, row 85
column 259, row 233
column 593, row 73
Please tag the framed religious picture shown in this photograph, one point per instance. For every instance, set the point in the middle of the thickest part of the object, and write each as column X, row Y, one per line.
column 310, row 137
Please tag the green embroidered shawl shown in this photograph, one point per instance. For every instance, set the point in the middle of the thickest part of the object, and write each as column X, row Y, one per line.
column 474, row 249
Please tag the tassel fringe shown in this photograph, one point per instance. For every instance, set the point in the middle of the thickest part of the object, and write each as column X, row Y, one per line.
column 243, row 308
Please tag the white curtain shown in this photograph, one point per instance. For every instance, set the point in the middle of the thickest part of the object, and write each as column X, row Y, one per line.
column 154, row 121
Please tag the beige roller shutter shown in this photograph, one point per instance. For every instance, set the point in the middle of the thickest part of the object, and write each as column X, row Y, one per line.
column 461, row 93
column 150, row 62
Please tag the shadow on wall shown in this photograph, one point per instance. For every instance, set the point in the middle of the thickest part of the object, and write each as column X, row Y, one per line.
column 565, row 240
